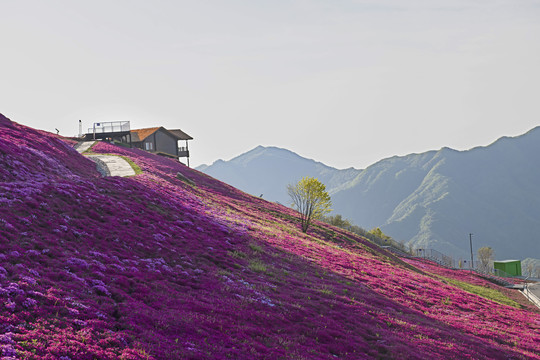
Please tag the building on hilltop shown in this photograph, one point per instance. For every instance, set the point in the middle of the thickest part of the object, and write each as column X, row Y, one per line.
column 157, row 140
column 161, row 141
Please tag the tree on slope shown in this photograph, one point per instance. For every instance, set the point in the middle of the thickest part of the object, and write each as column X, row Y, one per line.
column 485, row 255
column 378, row 233
column 338, row 221
column 310, row 198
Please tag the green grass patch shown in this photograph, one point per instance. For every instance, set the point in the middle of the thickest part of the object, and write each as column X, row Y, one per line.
column 484, row 292
column 257, row 266
column 255, row 248
column 326, row 291
column 89, row 150
column 237, row 254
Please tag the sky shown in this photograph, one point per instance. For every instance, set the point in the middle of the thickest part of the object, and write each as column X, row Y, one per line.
column 344, row 82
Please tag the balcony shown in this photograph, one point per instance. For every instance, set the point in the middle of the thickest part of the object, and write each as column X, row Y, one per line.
column 112, row 130
column 109, row 127
column 183, row 151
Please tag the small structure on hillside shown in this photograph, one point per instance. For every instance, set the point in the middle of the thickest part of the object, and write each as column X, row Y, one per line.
column 508, row 267
column 161, row 141
column 157, row 140
column 110, row 131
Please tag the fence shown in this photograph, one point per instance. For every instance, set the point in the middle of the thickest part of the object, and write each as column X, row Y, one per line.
column 530, row 295
column 109, row 127
column 436, row 256
column 501, row 273
column 396, row 251
column 450, row 262
column 496, row 278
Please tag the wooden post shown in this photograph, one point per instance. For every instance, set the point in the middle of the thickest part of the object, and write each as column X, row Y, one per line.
column 187, row 150
column 472, row 258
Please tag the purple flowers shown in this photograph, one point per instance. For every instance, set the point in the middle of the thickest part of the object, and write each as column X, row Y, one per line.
column 29, row 303
column 80, row 323
column 149, row 267
column 10, row 305
column 28, row 279
column 76, row 262
column 8, row 351
column 101, row 290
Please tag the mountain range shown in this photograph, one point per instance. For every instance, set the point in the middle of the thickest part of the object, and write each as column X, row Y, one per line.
column 429, row 200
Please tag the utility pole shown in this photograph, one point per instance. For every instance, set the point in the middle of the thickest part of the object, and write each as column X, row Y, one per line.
column 472, row 259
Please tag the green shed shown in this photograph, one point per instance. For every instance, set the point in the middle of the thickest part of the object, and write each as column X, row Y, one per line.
column 510, row 267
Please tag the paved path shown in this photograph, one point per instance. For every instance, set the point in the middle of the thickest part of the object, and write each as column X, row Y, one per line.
column 534, row 293
column 83, row 146
column 535, row 289
column 115, row 164
column 108, row 165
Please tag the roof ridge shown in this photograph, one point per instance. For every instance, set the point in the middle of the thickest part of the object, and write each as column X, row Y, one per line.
column 145, row 132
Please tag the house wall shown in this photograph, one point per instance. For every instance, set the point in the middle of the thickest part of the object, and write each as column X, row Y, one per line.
column 165, row 143
column 141, row 144
column 149, row 144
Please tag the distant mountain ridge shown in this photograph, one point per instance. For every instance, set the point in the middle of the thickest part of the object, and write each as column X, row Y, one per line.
column 268, row 170
column 430, row 200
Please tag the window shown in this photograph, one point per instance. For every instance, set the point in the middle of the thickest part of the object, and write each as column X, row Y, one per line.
column 148, row 146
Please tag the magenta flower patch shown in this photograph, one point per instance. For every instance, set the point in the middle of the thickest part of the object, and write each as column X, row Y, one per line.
column 152, row 267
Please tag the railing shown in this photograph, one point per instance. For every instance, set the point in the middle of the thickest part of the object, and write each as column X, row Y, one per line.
column 109, row 127
column 395, row 251
column 529, row 294
column 489, row 270
column 436, row 256
column 183, row 151
column 501, row 273
column 498, row 276
column 495, row 278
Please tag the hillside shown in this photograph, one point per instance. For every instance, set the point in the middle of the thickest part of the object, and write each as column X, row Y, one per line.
column 152, row 267
column 429, row 200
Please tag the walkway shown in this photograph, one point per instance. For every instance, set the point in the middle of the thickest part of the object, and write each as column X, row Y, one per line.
column 83, row 146
column 534, row 293
column 108, row 165
column 116, row 166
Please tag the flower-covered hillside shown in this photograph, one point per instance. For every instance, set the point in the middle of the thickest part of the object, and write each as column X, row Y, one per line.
column 476, row 283
column 161, row 266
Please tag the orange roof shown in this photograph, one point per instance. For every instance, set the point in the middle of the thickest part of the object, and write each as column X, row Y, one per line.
column 141, row 134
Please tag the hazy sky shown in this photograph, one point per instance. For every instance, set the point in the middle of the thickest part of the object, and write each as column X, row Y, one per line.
column 344, row 82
